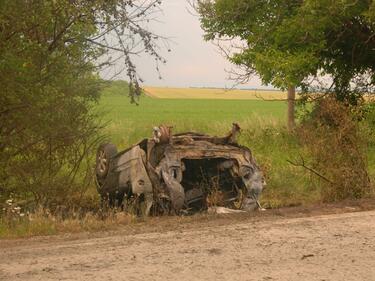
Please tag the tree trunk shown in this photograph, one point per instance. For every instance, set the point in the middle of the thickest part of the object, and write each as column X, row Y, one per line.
column 291, row 105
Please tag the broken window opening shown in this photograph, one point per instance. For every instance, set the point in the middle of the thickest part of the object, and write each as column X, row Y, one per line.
column 211, row 182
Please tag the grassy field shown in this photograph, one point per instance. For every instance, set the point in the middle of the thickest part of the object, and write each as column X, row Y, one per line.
column 127, row 123
column 213, row 93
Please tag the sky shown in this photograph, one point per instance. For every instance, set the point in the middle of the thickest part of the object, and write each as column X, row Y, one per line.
column 192, row 61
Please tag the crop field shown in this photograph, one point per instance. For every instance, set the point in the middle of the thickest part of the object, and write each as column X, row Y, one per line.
column 213, row 93
column 127, row 123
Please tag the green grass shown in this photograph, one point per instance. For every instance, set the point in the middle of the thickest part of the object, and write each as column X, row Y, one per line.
column 128, row 123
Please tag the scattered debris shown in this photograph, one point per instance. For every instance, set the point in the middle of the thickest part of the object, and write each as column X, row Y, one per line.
column 307, row 256
column 223, row 210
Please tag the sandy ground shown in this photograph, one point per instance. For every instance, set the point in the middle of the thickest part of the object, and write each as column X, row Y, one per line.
column 319, row 247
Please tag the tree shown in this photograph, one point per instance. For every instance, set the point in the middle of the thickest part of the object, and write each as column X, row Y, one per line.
column 317, row 45
column 50, row 55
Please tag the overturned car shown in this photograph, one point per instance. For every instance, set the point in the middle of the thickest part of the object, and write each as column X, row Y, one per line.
column 181, row 173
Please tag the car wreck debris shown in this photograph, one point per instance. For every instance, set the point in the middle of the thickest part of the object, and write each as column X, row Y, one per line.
column 181, row 173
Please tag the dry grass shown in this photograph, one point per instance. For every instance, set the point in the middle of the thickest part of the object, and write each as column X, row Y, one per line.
column 42, row 223
column 213, row 93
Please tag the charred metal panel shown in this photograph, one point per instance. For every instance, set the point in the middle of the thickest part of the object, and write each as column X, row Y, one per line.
column 176, row 191
column 131, row 169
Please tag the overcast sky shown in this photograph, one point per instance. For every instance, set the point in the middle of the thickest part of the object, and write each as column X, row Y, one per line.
column 192, row 61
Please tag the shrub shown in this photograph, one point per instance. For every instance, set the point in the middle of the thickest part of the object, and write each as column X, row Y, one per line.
column 337, row 149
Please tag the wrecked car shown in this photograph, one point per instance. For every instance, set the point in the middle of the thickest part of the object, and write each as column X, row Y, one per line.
column 180, row 173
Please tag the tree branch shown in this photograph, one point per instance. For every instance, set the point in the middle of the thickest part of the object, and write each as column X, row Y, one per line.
column 303, row 165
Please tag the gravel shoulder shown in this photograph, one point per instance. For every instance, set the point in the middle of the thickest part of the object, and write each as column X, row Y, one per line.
column 338, row 244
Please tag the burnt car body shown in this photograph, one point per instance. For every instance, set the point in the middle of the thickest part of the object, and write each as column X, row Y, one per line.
column 180, row 173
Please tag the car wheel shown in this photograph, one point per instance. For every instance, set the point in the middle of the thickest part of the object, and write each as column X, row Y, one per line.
column 103, row 157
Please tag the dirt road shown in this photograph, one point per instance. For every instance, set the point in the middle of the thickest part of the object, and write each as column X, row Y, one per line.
column 324, row 247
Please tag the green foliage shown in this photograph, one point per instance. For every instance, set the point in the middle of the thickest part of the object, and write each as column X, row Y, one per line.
column 369, row 120
column 288, row 42
column 367, row 126
column 50, row 55
column 324, row 47
column 47, row 90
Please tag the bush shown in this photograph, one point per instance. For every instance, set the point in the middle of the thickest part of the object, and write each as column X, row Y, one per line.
column 332, row 139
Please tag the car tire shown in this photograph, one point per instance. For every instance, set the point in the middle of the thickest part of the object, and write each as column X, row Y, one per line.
column 104, row 155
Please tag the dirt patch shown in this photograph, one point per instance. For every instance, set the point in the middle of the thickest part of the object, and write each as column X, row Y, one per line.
column 319, row 243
